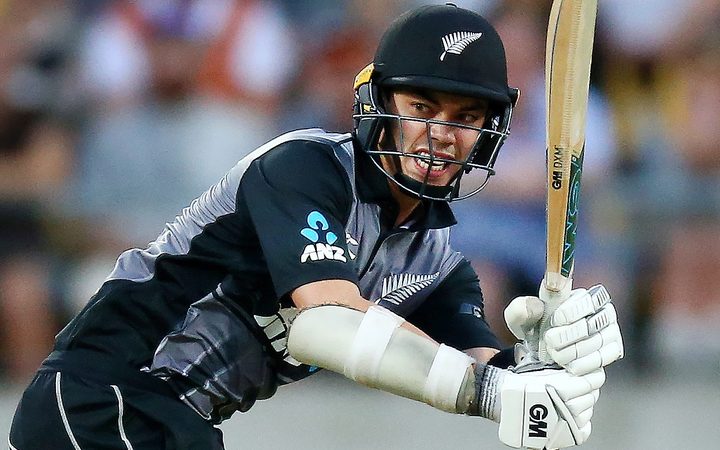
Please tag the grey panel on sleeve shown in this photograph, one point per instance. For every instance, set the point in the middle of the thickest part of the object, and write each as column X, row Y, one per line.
column 139, row 264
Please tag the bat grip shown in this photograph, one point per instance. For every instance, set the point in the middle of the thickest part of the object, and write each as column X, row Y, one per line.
column 552, row 298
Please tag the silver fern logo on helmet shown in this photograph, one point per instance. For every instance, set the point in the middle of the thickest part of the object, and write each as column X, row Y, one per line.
column 456, row 42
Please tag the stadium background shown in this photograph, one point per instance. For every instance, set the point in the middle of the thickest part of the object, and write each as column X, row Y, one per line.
column 114, row 114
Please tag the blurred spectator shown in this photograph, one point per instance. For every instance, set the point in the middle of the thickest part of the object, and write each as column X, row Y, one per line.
column 338, row 43
column 664, row 92
column 243, row 49
column 322, row 93
column 199, row 84
column 688, row 293
column 36, row 152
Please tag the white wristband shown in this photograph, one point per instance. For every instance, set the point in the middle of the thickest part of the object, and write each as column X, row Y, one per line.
column 445, row 379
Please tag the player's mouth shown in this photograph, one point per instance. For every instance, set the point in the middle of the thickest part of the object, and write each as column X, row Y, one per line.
column 439, row 166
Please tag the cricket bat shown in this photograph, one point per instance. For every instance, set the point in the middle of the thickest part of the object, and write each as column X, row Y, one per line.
column 568, row 56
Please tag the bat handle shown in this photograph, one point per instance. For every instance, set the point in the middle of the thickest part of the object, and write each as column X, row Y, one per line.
column 552, row 297
column 537, row 358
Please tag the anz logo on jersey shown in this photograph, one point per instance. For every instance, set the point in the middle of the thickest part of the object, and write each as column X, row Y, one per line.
column 318, row 232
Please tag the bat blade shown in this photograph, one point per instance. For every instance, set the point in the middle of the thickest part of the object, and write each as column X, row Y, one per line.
column 571, row 31
column 568, row 56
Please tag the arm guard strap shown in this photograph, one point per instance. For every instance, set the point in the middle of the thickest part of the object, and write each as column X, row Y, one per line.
column 373, row 349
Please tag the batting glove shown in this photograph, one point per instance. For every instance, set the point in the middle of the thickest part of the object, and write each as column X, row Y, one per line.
column 545, row 409
column 584, row 334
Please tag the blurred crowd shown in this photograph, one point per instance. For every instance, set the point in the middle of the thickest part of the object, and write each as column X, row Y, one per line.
column 114, row 114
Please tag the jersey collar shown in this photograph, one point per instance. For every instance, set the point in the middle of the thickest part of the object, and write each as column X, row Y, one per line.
column 372, row 187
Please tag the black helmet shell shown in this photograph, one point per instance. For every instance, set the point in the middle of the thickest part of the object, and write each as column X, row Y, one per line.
column 445, row 48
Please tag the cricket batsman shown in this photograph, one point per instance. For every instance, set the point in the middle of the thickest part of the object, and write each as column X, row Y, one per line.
column 326, row 250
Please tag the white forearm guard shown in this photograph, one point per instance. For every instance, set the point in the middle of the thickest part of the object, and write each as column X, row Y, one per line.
column 371, row 348
column 545, row 409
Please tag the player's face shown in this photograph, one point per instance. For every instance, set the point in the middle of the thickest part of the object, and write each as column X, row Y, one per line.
column 446, row 141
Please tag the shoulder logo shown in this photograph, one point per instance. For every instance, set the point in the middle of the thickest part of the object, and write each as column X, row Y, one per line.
column 398, row 288
column 317, row 231
column 456, row 42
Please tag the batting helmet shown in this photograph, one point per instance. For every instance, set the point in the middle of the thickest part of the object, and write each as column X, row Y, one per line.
column 443, row 48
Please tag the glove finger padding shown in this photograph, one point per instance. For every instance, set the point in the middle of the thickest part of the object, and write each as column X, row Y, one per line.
column 606, row 355
column 583, row 418
column 590, row 354
column 560, row 336
column 567, row 433
column 581, row 303
column 538, row 409
column 580, row 404
column 585, row 335
column 581, row 385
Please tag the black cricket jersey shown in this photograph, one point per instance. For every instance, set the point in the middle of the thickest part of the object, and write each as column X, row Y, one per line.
column 306, row 206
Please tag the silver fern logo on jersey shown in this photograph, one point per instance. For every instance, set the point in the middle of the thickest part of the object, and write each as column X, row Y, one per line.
column 458, row 41
column 352, row 243
column 397, row 288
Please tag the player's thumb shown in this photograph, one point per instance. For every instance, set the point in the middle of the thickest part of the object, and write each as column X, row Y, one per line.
column 522, row 314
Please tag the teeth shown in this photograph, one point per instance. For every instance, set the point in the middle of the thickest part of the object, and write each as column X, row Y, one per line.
column 436, row 165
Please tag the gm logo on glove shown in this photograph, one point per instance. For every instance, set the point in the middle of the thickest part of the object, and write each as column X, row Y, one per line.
column 538, row 427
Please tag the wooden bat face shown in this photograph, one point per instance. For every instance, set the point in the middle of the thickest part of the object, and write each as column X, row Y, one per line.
column 567, row 67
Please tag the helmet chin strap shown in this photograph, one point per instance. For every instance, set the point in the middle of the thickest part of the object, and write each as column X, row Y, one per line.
column 421, row 190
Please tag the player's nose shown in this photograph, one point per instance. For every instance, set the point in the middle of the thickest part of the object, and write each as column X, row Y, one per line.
column 443, row 133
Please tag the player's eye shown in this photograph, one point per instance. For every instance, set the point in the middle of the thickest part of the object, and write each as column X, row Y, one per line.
column 469, row 118
column 420, row 107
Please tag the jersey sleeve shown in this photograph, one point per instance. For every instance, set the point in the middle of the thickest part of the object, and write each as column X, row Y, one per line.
column 454, row 313
column 298, row 197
